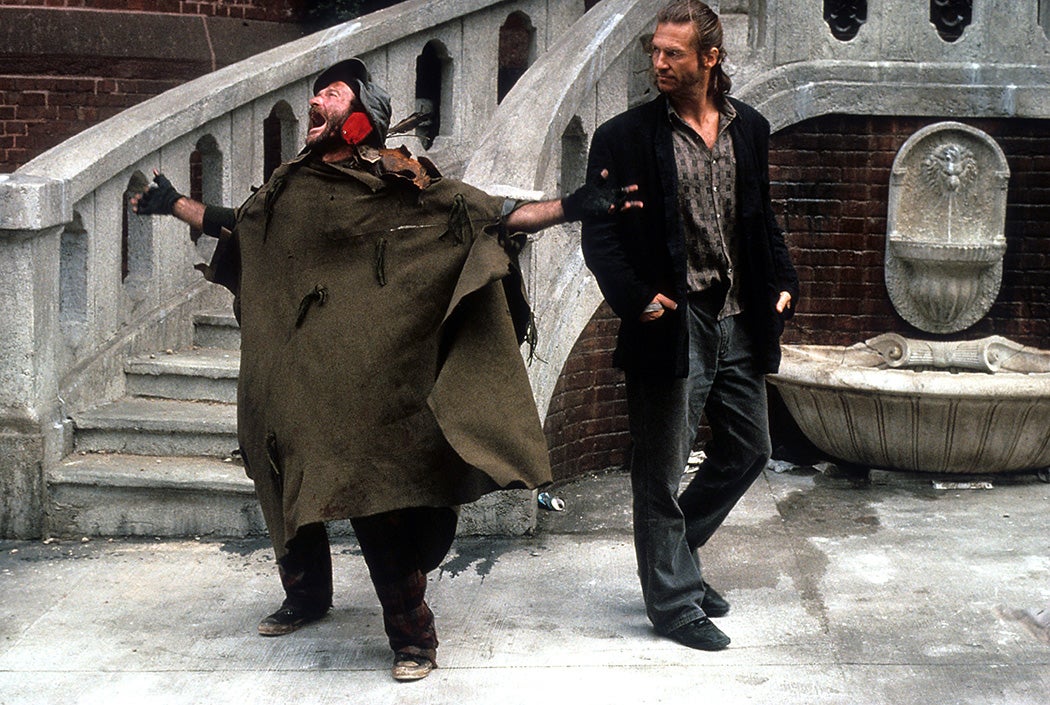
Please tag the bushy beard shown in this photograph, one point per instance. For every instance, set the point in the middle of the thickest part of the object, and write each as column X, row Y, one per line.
column 332, row 136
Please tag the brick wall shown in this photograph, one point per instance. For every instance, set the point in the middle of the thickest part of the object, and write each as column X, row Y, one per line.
column 830, row 186
column 39, row 112
column 587, row 418
column 831, row 178
column 68, row 64
column 264, row 10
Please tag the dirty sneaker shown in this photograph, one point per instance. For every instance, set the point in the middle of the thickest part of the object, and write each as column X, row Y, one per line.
column 411, row 667
column 287, row 619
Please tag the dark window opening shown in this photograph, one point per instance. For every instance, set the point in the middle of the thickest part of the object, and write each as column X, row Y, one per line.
column 573, row 157
column 433, row 67
column 280, row 141
column 196, row 186
column 136, row 241
column 845, row 17
column 951, row 17
column 516, row 50
column 205, row 176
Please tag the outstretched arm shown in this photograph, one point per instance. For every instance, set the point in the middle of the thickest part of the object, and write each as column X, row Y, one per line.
column 588, row 201
column 535, row 215
column 190, row 212
column 161, row 198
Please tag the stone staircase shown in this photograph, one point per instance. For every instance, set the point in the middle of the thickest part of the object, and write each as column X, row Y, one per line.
column 159, row 462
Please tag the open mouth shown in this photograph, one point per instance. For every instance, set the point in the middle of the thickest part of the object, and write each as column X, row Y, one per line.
column 316, row 119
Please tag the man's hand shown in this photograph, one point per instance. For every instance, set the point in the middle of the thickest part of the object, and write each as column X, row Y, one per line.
column 158, row 199
column 597, row 200
column 656, row 308
column 784, row 302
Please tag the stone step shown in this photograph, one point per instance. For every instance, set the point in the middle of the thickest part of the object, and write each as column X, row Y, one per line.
column 163, row 427
column 152, row 467
column 97, row 494
column 157, row 462
column 216, row 329
column 206, row 374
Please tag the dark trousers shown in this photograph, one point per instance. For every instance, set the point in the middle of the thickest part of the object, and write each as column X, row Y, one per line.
column 725, row 382
column 400, row 548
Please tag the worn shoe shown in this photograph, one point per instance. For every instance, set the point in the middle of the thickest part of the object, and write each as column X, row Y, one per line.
column 411, row 667
column 700, row 634
column 713, row 604
column 287, row 619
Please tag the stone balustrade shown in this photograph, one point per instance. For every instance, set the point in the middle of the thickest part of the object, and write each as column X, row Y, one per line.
column 86, row 283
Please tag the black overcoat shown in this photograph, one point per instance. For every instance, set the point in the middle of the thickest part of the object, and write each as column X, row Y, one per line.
column 642, row 252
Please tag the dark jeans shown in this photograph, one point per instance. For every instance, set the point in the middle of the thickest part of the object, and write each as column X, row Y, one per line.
column 725, row 382
column 400, row 548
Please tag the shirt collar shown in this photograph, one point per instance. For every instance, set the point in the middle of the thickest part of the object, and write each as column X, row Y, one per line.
column 726, row 115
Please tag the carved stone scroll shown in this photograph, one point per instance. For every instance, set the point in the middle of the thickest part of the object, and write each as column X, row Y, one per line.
column 991, row 354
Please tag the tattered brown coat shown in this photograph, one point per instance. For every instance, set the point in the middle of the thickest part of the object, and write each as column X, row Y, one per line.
column 380, row 362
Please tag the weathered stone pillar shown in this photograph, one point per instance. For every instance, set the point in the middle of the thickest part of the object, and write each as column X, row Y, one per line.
column 32, row 216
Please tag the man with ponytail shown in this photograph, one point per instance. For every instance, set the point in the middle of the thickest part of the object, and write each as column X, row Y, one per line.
column 702, row 283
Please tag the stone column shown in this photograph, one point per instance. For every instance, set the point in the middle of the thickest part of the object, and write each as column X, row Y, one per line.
column 33, row 213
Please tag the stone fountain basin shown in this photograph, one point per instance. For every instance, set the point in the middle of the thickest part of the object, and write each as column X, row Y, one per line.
column 855, row 408
column 978, row 254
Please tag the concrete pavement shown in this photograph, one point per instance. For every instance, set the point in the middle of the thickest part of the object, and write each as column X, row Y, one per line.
column 887, row 591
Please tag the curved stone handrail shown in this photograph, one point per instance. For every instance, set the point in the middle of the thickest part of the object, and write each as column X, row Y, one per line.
column 518, row 153
column 41, row 193
column 807, row 79
column 91, row 170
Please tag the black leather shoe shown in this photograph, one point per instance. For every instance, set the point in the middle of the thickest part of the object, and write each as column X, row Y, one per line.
column 287, row 619
column 713, row 604
column 700, row 634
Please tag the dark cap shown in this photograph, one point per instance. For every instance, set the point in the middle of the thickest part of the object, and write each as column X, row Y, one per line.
column 352, row 72
column 374, row 100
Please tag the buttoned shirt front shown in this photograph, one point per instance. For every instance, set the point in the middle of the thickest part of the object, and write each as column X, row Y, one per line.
column 707, row 208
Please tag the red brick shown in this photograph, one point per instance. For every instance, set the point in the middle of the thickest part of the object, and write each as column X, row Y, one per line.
column 32, row 98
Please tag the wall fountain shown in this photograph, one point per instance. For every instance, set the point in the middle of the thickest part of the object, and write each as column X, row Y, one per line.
column 923, row 405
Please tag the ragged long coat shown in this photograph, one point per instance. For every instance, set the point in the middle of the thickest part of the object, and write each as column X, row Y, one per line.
column 380, row 362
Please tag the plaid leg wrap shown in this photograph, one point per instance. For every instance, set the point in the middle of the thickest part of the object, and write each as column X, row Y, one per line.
column 306, row 570
column 408, row 621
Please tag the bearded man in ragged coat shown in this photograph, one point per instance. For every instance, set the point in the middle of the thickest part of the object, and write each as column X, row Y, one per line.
column 381, row 381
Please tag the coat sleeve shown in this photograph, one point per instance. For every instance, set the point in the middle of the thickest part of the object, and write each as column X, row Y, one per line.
column 602, row 239
column 785, row 276
column 216, row 218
